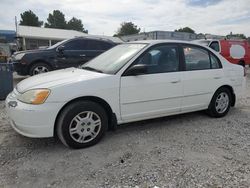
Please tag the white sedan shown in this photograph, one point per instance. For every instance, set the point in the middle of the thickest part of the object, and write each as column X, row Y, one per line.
column 131, row 82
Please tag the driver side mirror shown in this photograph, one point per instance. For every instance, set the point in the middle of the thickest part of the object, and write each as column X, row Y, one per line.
column 60, row 49
column 136, row 70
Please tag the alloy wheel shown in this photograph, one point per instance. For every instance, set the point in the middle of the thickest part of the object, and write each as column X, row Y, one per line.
column 85, row 126
column 40, row 69
column 222, row 102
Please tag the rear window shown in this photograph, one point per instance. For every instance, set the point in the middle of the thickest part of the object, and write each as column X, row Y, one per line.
column 196, row 58
column 214, row 62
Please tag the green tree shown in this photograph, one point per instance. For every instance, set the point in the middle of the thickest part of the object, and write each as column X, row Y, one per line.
column 236, row 35
column 29, row 18
column 56, row 20
column 76, row 24
column 185, row 29
column 127, row 28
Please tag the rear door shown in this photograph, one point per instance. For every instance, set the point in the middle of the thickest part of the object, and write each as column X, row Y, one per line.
column 203, row 75
column 157, row 92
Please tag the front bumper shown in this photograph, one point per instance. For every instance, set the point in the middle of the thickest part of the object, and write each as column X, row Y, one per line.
column 21, row 69
column 35, row 121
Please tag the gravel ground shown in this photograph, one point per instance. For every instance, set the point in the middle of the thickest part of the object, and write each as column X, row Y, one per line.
column 190, row 150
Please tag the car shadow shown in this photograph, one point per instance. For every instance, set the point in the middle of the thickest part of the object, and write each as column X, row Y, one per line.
column 163, row 121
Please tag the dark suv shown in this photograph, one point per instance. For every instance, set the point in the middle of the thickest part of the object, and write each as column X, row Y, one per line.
column 67, row 53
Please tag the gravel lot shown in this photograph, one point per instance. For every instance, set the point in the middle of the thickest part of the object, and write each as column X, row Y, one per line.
column 190, row 150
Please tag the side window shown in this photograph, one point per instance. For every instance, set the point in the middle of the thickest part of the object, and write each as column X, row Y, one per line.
column 161, row 59
column 215, row 46
column 92, row 45
column 214, row 62
column 98, row 45
column 196, row 58
column 106, row 45
column 75, row 45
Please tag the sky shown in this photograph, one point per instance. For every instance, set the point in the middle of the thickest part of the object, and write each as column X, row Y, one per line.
column 103, row 17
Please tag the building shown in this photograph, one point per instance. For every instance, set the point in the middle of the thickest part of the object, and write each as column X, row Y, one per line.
column 158, row 35
column 212, row 36
column 34, row 37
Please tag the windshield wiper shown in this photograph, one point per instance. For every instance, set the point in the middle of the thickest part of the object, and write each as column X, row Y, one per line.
column 92, row 69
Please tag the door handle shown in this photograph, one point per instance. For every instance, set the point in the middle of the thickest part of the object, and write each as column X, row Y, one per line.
column 175, row 81
column 82, row 55
column 217, row 77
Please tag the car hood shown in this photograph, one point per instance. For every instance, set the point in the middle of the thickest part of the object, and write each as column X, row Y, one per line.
column 57, row 78
column 32, row 51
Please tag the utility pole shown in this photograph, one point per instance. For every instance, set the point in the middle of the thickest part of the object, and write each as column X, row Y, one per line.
column 16, row 24
column 16, row 34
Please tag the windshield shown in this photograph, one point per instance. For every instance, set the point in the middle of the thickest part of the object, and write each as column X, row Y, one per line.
column 57, row 44
column 111, row 61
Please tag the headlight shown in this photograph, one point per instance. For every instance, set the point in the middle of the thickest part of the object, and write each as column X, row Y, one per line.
column 19, row 56
column 36, row 96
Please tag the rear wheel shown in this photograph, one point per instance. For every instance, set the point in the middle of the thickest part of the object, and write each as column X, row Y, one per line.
column 39, row 68
column 82, row 124
column 220, row 103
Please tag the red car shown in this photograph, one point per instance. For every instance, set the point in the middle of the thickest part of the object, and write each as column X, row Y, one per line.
column 235, row 51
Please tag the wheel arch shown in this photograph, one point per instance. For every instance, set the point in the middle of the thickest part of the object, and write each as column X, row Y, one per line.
column 39, row 61
column 230, row 88
column 112, row 121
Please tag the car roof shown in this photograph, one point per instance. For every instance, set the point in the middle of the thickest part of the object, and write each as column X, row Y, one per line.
column 94, row 38
column 153, row 42
column 163, row 41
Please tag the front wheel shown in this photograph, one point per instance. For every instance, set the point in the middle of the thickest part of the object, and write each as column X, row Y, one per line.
column 39, row 68
column 220, row 103
column 82, row 124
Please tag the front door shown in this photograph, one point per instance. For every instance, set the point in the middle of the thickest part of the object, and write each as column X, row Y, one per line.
column 156, row 93
column 73, row 54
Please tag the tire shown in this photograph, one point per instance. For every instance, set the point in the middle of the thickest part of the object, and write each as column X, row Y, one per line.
column 82, row 124
column 39, row 68
column 242, row 63
column 220, row 103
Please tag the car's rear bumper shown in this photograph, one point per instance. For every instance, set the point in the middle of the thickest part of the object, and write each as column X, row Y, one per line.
column 32, row 120
column 240, row 91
